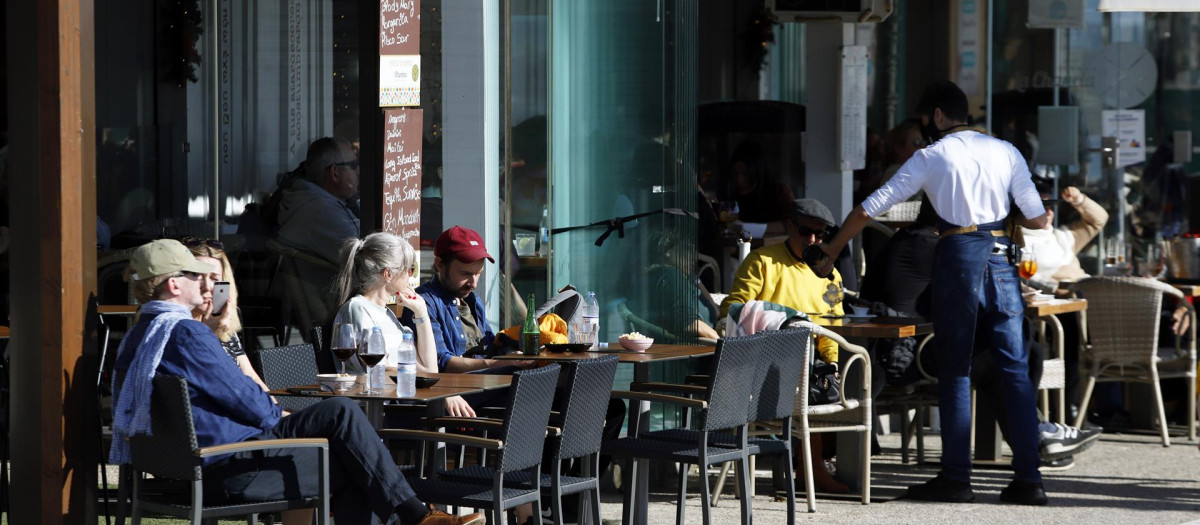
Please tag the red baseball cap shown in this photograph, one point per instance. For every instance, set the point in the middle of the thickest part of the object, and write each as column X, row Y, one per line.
column 462, row 244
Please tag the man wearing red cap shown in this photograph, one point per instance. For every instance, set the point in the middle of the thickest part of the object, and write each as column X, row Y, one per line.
column 456, row 313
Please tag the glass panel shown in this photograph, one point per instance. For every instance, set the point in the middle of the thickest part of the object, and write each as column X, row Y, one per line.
column 623, row 150
column 525, row 219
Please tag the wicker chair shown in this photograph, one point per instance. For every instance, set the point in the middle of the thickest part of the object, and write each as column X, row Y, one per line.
column 584, row 402
column 851, row 414
column 171, row 453
column 288, row 366
column 722, row 407
column 1122, row 322
column 517, row 450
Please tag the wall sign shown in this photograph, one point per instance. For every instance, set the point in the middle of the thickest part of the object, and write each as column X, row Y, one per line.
column 399, row 53
column 1129, row 128
column 402, row 134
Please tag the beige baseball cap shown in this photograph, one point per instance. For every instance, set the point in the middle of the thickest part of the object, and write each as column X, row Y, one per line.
column 164, row 257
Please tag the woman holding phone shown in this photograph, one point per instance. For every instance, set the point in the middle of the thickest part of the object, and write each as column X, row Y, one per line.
column 219, row 310
column 374, row 270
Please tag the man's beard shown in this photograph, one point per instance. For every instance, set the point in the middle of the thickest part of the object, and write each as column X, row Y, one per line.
column 461, row 293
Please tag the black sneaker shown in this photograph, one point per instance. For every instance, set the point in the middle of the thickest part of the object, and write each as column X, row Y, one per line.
column 1066, row 441
column 942, row 489
column 1024, row 493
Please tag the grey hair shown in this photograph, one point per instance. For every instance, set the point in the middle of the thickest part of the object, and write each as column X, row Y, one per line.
column 363, row 262
column 323, row 153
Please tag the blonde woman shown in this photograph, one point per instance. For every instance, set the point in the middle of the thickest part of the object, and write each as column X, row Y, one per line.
column 228, row 323
column 374, row 270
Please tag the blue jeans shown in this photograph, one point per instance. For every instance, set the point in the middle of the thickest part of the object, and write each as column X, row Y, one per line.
column 973, row 288
column 364, row 482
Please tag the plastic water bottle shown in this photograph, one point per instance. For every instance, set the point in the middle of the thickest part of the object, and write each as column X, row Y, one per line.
column 544, row 233
column 376, row 341
column 406, row 365
column 591, row 318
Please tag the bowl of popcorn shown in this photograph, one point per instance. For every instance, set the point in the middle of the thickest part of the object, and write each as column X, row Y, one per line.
column 635, row 342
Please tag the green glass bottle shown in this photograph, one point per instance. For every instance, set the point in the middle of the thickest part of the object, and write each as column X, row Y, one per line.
column 531, row 335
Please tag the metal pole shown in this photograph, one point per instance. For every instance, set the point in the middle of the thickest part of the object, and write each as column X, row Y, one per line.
column 987, row 90
column 214, row 74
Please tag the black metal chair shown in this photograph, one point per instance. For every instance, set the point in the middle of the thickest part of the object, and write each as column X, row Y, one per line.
column 516, row 451
column 326, row 362
column 288, row 366
column 584, row 403
column 171, row 453
column 722, row 407
column 781, row 359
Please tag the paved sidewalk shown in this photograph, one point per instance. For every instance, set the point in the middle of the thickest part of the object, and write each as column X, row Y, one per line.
column 1123, row 479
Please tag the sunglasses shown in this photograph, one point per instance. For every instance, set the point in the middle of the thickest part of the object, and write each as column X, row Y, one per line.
column 190, row 275
column 805, row 230
column 352, row 164
column 191, row 242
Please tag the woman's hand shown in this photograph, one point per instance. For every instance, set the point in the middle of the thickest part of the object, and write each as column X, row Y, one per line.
column 457, row 407
column 1181, row 320
column 217, row 322
column 413, row 303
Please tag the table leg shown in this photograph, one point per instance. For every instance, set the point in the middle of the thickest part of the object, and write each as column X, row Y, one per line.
column 437, row 461
column 639, row 476
column 374, row 411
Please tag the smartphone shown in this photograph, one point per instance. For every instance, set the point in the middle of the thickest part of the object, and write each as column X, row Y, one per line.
column 220, row 296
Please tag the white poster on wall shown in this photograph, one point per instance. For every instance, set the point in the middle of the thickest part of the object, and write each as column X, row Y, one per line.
column 970, row 71
column 1129, row 128
column 1056, row 13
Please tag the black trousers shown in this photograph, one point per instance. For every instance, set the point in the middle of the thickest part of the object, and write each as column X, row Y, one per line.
column 363, row 480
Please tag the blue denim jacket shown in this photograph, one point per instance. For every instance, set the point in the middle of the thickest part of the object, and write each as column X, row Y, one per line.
column 451, row 341
column 227, row 406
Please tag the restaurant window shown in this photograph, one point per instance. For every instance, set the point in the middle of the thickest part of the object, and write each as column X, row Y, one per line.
column 600, row 127
column 203, row 106
column 1139, row 69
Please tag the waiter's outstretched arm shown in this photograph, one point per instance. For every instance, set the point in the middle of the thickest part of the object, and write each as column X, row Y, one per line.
column 854, row 224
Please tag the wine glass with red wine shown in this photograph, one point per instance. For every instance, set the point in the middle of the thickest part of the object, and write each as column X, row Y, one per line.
column 370, row 355
column 344, row 344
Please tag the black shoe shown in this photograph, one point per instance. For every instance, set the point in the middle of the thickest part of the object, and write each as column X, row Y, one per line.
column 1065, row 441
column 1024, row 493
column 942, row 489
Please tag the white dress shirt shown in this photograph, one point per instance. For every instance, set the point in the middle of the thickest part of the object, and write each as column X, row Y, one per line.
column 968, row 177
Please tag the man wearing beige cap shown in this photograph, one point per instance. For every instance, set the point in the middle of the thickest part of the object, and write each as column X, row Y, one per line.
column 228, row 407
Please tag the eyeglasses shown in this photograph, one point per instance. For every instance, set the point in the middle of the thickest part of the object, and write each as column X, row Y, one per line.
column 190, row 275
column 196, row 241
column 805, row 230
column 352, row 164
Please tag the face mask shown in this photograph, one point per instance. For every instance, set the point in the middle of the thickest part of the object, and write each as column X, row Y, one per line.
column 930, row 132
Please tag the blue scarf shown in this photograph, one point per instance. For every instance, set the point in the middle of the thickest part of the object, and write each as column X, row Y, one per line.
column 131, row 415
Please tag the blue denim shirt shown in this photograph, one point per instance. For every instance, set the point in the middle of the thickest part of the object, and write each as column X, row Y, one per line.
column 450, row 339
column 227, row 406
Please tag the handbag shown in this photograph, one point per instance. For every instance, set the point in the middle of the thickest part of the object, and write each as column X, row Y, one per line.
column 823, row 385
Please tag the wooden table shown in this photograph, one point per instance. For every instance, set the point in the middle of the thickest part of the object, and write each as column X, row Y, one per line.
column 1190, row 290
column 480, row 382
column 117, row 309
column 642, row 363
column 4, row 332
column 876, row 327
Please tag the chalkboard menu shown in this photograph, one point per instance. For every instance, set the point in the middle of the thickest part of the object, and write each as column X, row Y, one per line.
column 402, row 130
column 399, row 53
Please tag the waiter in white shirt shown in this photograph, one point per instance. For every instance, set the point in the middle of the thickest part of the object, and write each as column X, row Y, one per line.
column 969, row 177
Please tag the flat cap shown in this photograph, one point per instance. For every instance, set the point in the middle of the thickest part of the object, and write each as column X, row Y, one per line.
column 813, row 208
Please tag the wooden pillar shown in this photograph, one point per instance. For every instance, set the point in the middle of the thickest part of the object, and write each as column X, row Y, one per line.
column 52, row 254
